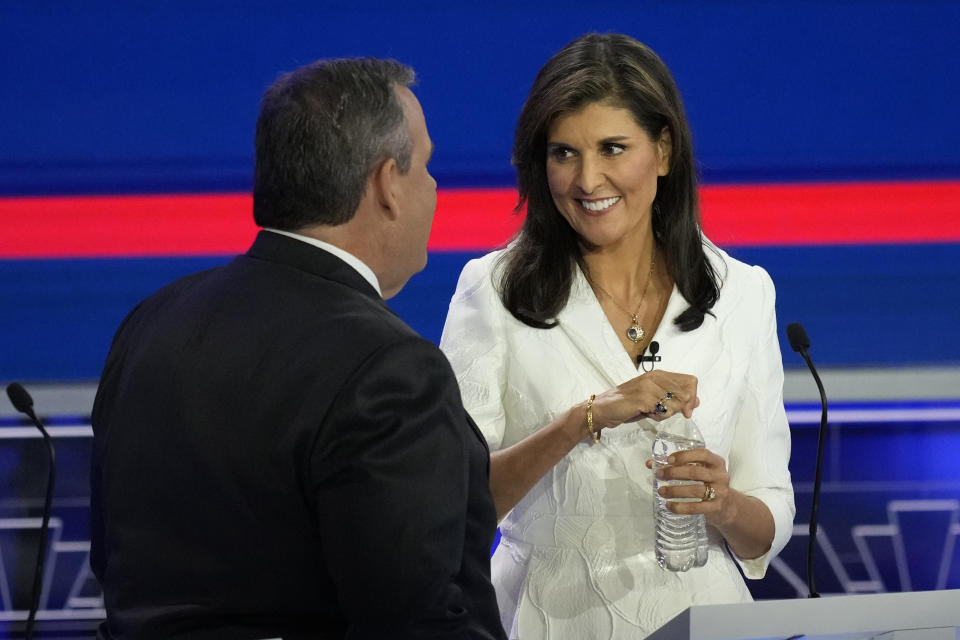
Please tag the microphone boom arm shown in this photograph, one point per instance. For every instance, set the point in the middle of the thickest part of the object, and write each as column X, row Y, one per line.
column 821, row 445
column 23, row 403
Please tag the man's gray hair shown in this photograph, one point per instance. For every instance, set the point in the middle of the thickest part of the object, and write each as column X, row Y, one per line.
column 322, row 129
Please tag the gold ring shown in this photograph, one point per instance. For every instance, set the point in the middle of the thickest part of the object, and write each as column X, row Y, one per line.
column 709, row 493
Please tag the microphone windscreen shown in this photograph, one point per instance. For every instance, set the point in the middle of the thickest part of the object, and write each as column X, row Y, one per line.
column 654, row 347
column 797, row 337
column 21, row 400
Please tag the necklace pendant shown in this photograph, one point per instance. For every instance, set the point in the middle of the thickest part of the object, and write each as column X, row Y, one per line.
column 635, row 333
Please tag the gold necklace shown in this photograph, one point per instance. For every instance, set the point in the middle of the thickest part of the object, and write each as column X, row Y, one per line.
column 635, row 332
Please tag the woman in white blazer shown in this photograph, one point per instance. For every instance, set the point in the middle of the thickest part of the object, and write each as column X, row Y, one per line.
column 545, row 337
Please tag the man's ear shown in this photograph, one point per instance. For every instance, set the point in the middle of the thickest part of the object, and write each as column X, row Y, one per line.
column 384, row 183
column 664, row 151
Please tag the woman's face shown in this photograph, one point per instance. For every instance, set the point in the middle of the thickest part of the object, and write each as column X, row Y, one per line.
column 602, row 169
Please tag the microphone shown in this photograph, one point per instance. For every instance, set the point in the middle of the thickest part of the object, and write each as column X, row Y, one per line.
column 23, row 403
column 800, row 343
column 799, row 340
column 21, row 400
column 653, row 358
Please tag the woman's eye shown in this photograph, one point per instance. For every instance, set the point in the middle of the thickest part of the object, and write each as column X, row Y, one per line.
column 611, row 149
column 561, row 153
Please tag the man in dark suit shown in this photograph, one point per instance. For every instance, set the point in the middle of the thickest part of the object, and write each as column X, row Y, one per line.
column 276, row 454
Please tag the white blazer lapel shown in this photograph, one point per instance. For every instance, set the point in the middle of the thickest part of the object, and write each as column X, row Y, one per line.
column 590, row 334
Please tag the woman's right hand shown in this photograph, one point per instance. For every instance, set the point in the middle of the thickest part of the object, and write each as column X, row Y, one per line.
column 638, row 398
column 515, row 469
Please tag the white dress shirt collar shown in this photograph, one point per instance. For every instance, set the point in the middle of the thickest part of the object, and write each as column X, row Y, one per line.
column 355, row 262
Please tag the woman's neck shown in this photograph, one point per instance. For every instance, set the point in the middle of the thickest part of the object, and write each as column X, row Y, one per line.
column 624, row 271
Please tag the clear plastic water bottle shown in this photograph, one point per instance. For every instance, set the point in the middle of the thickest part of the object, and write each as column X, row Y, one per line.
column 680, row 541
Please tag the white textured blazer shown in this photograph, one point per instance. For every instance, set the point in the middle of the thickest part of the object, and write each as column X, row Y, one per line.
column 576, row 556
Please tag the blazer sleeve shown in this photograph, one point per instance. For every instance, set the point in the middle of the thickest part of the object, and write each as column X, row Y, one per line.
column 474, row 342
column 390, row 478
column 760, row 450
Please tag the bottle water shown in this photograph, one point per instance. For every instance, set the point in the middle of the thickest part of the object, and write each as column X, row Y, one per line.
column 680, row 541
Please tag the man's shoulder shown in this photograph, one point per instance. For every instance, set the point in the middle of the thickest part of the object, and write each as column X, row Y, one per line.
column 341, row 321
column 157, row 302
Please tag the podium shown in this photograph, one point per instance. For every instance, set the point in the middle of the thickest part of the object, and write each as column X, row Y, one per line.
column 919, row 615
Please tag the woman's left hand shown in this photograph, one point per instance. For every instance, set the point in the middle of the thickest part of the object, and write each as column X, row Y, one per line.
column 715, row 497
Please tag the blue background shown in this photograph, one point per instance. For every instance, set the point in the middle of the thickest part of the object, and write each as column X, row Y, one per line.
column 135, row 96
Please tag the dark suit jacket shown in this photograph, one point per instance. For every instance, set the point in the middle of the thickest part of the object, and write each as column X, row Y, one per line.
column 277, row 454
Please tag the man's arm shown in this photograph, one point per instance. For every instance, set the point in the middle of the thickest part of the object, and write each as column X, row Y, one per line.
column 390, row 482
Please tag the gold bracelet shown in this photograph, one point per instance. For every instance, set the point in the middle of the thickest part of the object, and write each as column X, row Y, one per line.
column 594, row 434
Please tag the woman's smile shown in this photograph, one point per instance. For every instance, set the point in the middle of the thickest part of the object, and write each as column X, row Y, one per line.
column 597, row 207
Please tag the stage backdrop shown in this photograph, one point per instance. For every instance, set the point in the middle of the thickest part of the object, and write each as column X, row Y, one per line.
column 828, row 144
